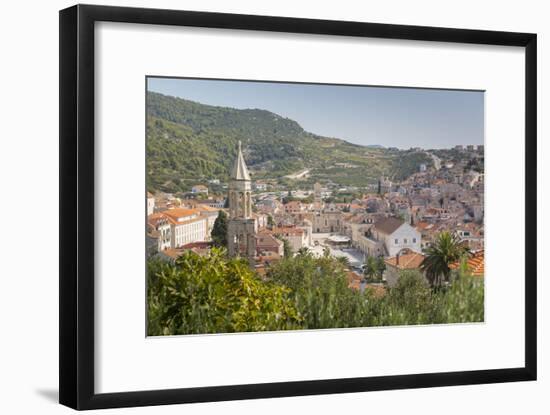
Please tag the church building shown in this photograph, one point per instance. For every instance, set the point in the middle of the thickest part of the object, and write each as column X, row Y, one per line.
column 241, row 228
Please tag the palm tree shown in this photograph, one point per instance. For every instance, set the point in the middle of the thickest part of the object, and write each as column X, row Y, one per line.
column 444, row 251
column 371, row 268
column 343, row 260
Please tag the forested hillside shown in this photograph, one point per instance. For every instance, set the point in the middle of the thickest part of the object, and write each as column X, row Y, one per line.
column 189, row 142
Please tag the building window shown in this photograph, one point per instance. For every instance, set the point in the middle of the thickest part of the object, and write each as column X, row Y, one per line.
column 405, row 240
column 396, row 241
column 414, row 240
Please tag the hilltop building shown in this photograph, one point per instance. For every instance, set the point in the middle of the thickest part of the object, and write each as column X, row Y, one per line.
column 241, row 229
column 199, row 189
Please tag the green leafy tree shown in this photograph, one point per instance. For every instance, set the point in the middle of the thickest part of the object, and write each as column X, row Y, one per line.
column 287, row 249
column 320, row 292
column 380, row 266
column 463, row 302
column 410, row 301
column 219, row 230
column 213, row 294
column 445, row 250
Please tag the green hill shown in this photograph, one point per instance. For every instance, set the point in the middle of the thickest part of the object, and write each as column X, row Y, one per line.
column 189, row 142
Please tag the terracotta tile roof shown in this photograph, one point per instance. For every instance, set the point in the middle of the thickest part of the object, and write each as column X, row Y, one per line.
column 174, row 214
column 388, row 225
column 200, row 245
column 207, row 208
column 353, row 276
column 420, row 226
column 412, row 260
column 173, row 253
column 475, row 264
column 287, row 230
column 266, row 239
column 180, row 212
column 155, row 219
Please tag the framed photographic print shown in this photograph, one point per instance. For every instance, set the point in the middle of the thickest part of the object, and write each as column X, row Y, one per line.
column 258, row 206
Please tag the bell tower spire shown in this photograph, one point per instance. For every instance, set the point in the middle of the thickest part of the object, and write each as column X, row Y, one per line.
column 241, row 229
column 240, row 188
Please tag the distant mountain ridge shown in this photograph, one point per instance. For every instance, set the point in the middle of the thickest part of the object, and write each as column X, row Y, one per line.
column 189, row 142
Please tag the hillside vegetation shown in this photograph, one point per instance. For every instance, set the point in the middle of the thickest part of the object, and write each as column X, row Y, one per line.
column 189, row 142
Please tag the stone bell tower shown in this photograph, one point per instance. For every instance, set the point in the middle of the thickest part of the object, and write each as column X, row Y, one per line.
column 241, row 229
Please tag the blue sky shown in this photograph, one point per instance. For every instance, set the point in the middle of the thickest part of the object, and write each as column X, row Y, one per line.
column 392, row 117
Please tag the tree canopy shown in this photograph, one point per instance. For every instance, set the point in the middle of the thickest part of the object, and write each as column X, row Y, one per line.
column 216, row 294
column 213, row 294
column 219, row 230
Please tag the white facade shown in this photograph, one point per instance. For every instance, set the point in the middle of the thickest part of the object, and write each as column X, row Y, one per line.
column 260, row 187
column 200, row 189
column 387, row 241
column 213, row 203
column 187, row 225
column 165, row 236
column 150, row 205
column 403, row 237
column 297, row 237
column 186, row 232
column 211, row 214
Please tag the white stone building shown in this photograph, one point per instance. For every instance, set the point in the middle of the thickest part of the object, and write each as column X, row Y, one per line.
column 199, row 189
column 211, row 214
column 187, row 225
column 296, row 237
column 328, row 220
column 150, row 204
column 159, row 230
column 388, row 237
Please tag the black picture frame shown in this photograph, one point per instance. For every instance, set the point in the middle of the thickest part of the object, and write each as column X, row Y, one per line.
column 76, row 279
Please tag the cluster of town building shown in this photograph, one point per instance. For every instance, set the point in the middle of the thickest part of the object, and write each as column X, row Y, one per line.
column 396, row 220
